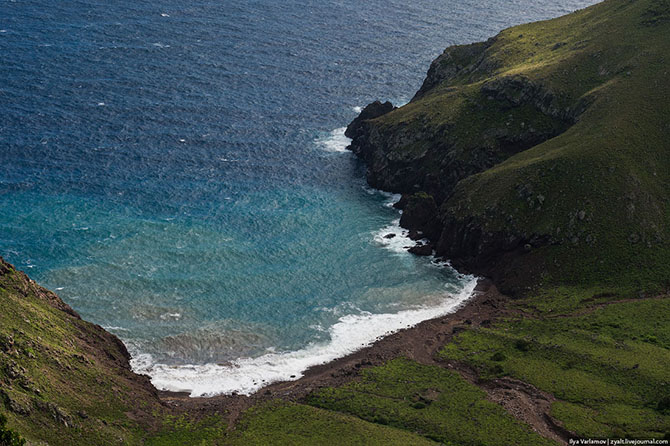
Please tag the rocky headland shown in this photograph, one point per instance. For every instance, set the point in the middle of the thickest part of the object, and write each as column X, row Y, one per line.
column 518, row 152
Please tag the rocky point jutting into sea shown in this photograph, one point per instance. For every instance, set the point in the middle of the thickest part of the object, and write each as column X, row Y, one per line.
column 515, row 152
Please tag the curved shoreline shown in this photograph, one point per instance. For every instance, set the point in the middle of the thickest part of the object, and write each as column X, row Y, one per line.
column 348, row 335
column 419, row 343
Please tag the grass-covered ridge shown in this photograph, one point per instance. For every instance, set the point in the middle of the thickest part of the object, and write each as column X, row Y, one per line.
column 61, row 374
column 278, row 423
column 432, row 401
column 552, row 137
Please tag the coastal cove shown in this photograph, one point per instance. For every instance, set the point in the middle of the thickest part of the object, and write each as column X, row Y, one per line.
column 188, row 215
column 484, row 264
column 418, row 343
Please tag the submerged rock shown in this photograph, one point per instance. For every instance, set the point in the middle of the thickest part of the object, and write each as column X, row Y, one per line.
column 422, row 250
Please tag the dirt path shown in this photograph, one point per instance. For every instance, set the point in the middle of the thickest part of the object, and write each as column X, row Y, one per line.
column 522, row 400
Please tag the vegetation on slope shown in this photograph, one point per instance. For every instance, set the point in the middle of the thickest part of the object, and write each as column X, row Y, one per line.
column 545, row 149
column 7, row 436
column 63, row 380
column 431, row 401
column 279, row 423
column 605, row 359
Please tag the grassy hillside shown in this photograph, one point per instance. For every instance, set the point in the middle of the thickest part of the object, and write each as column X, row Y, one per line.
column 60, row 374
column 432, row 401
column 545, row 149
column 605, row 358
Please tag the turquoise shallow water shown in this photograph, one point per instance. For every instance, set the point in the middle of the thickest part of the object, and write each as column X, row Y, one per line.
column 175, row 172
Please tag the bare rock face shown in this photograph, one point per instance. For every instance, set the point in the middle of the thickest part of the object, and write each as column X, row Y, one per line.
column 421, row 214
column 518, row 90
column 371, row 111
column 455, row 61
column 421, row 250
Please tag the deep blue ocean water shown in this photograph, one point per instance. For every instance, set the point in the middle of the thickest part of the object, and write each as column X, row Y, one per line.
column 175, row 171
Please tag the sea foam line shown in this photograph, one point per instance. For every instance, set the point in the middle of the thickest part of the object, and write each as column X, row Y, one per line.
column 335, row 141
column 247, row 375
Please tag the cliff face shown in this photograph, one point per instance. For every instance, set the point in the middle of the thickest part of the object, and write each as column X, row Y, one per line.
column 543, row 149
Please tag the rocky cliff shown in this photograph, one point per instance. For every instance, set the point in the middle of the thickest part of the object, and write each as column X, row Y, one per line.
column 539, row 155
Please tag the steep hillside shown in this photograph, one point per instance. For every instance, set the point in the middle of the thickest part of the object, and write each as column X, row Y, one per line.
column 541, row 155
column 60, row 374
column 541, row 159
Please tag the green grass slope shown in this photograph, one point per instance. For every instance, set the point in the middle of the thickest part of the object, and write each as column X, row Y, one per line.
column 65, row 381
column 279, row 423
column 604, row 182
column 436, row 403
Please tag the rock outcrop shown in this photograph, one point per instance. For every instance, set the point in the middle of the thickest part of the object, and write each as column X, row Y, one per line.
column 424, row 160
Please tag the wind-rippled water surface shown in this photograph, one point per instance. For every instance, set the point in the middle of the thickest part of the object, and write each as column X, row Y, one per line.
column 174, row 170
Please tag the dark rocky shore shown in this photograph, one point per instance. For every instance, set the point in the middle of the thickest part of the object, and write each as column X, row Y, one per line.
column 424, row 162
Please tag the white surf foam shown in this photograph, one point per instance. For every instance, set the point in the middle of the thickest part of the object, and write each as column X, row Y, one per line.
column 394, row 238
column 335, row 141
column 391, row 198
column 114, row 328
column 247, row 375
